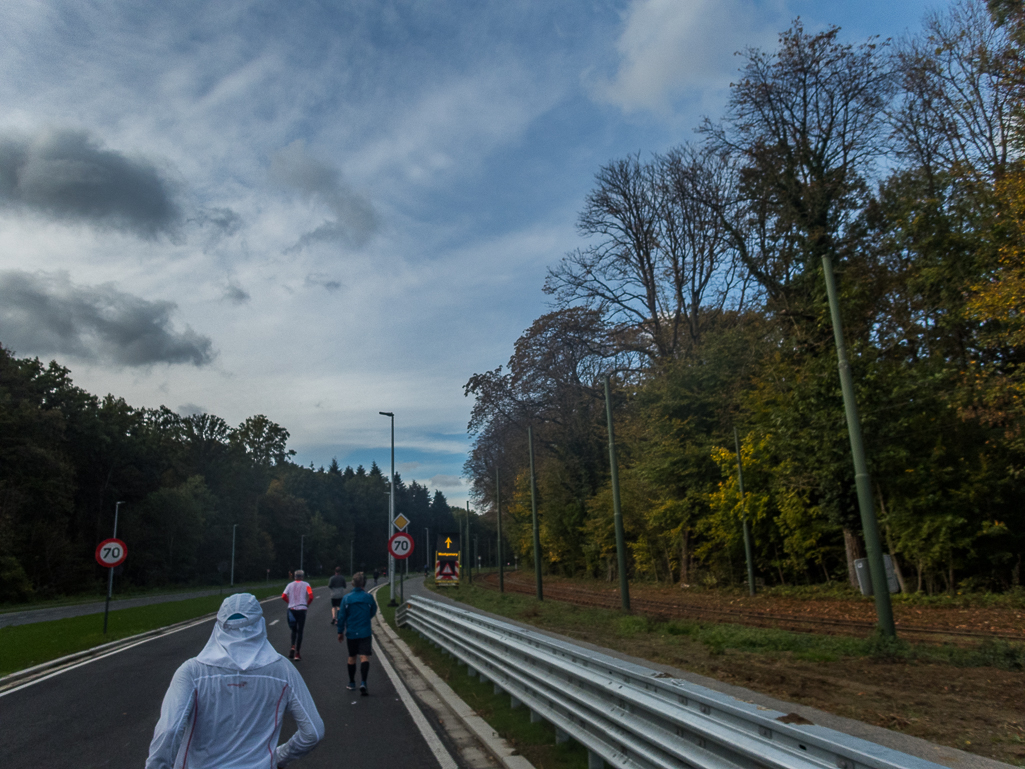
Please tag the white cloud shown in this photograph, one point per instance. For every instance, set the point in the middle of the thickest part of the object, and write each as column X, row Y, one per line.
column 671, row 47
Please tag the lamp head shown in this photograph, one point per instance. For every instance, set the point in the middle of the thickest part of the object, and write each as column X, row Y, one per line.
column 386, row 414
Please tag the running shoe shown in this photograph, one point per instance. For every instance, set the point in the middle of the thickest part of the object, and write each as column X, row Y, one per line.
column 363, row 689
column 298, row 658
column 291, row 653
column 351, row 686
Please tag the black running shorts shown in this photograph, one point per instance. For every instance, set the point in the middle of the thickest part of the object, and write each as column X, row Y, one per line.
column 360, row 646
column 336, row 602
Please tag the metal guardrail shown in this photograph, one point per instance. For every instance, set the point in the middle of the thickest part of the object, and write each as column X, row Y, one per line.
column 630, row 716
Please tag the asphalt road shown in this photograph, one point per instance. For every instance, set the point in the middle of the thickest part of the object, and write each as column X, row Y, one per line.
column 102, row 714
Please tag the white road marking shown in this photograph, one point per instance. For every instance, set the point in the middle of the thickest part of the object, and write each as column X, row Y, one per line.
column 433, row 742
column 274, row 623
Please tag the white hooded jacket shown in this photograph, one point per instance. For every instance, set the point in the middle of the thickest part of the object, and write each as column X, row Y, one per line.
column 224, row 708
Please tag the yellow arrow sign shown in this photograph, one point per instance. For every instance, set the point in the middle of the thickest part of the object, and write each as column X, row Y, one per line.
column 448, row 542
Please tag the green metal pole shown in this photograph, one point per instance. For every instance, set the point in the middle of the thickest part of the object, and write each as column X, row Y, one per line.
column 617, row 512
column 533, row 510
column 469, row 558
column 498, row 511
column 862, row 481
column 747, row 525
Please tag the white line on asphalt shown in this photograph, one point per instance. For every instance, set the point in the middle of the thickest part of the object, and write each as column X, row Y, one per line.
column 115, row 651
column 274, row 623
column 433, row 742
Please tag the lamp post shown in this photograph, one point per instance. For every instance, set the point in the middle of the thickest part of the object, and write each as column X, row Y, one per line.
column 110, row 573
column 352, row 545
column 302, row 543
column 391, row 509
column 427, row 549
column 233, row 527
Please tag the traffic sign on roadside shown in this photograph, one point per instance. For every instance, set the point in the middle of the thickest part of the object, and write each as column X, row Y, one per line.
column 401, row 522
column 400, row 545
column 111, row 553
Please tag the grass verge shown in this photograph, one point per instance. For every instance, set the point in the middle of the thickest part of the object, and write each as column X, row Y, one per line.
column 719, row 638
column 535, row 742
column 27, row 645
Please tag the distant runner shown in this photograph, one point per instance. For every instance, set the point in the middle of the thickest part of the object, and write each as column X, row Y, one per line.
column 337, row 586
column 223, row 708
column 358, row 608
column 299, row 596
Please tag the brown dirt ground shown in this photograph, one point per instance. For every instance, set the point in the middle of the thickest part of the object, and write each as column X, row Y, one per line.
column 980, row 710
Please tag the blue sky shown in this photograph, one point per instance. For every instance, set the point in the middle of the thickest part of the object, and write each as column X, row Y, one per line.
column 321, row 210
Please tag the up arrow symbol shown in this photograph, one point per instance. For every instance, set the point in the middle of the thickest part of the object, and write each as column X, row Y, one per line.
column 448, row 542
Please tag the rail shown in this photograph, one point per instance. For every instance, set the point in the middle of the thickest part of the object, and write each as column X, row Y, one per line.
column 630, row 716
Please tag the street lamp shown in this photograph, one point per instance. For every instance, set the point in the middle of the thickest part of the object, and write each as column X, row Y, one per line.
column 302, row 542
column 391, row 509
column 233, row 527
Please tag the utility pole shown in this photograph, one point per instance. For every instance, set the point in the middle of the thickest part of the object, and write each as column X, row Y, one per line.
column 533, row 510
column 862, row 481
column 391, row 510
column 498, row 512
column 617, row 512
column 302, row 545
column 743, row 514
column 469, row 555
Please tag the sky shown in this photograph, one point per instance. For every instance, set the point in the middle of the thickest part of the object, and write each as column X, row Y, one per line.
column 318, row 211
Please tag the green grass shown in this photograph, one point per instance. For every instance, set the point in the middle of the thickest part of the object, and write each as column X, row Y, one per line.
column 720, row 638
column 536, row 742
column 100, row 592
column 26, row 645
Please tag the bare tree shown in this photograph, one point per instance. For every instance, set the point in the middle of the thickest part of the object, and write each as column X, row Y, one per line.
column 960, row 94
column 660, row 266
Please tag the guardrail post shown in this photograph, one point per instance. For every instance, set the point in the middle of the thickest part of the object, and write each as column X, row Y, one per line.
column 594, row 761
column 560, row 736
column 514, row 703
column 535, row 718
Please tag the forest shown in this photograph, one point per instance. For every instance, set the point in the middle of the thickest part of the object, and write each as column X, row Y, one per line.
column 185, row 483
column 698, row 288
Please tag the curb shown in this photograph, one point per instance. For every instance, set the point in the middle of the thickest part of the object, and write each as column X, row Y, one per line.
column 503, row 752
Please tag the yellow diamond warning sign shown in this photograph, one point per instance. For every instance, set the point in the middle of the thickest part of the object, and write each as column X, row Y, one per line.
column 401, row 522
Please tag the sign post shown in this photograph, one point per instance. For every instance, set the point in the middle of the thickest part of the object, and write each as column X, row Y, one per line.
column 110, row 553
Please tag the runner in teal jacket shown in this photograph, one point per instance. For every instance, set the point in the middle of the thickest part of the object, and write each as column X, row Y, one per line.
column 354, row 616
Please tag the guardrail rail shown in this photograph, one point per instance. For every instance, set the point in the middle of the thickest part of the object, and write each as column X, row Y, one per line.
column 630, row 716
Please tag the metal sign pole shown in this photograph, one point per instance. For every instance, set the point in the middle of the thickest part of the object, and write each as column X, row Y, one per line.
column 533, row 510
column 498, row 512
column 617, row 512
column 747, row 524
column 110, row 573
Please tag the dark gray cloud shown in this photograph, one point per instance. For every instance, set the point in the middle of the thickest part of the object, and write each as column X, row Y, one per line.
column 235, row 294
column 46, row 314
column 224, row 221
column 355, row 220
column 67, row 176
column 324, row 281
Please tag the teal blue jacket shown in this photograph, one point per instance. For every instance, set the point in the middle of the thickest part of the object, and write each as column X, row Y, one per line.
column 358, row 608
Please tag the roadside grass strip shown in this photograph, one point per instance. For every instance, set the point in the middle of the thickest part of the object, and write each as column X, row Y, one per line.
column 719, row 638
column 535, row 742
column 23, row 646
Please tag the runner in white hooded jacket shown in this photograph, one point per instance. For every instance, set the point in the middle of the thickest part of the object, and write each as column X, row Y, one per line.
column 224, row 707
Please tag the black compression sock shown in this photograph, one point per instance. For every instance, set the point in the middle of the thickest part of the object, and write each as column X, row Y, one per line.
column 352, row 673
column 364, row 668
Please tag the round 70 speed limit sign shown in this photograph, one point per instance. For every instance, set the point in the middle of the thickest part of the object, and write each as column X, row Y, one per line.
column 400, row 545
column 111, row 553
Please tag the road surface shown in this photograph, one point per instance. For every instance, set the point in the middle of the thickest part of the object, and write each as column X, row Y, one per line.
column 102, row 713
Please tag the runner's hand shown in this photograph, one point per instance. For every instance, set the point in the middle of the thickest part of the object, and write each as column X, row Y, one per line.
column 341, row 638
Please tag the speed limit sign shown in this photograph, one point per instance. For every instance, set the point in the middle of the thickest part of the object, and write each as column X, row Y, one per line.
column 401, row 545
column 111, row 552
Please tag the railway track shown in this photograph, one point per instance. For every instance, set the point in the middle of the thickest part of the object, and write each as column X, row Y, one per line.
column 674, row 610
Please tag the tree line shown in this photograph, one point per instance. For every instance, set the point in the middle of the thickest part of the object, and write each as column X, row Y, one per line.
column 699, row 289
column 188, row 483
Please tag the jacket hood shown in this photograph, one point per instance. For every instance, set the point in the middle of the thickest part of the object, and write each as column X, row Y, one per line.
column 240, row 643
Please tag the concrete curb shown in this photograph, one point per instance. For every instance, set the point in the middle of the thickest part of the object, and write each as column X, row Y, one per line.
column 503, row 752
